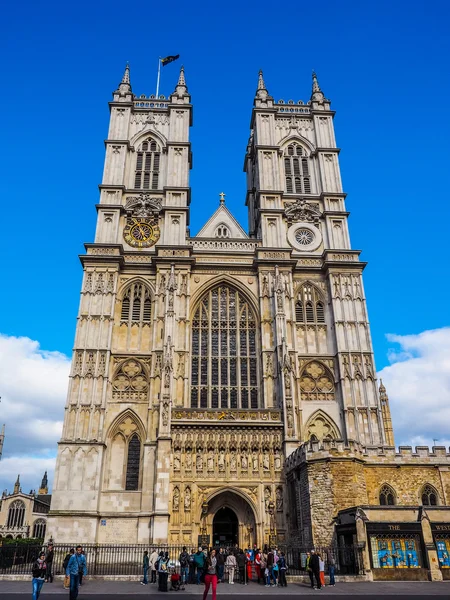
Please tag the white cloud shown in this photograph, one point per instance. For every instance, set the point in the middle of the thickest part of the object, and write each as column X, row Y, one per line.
column 418, row 385
column 33, row 387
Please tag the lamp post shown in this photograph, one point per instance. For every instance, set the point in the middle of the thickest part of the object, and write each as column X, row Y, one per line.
column 204, row 529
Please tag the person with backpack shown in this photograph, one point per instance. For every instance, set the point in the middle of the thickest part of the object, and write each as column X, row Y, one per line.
column 65, row 563
column 38, row 571
column 163, row 572
column 184, row 566
column 49, row 563
column 199, row 561
column 314, row 565
column 75, row 567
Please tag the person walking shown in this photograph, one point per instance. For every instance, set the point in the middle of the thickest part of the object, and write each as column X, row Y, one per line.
column 315, row 568
column 230, row 565
column 75, row 567
column 38, row 571
column 282, row 568
column 49, row 563
column 184, row 566
column 321, row 570
column 220, row 565
column 152, row 564
column 331, row 568
column 199, row 561
column 80, row 575
column 163, row 572
column 210, row 567
column 145, row 567
column 65, row 563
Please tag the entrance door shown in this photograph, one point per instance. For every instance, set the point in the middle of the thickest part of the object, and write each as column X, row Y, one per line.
column 225, row 528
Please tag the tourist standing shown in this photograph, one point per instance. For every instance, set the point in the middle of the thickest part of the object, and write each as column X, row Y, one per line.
column 192, row 566
column 152, row 563
column 210, row 567
column 331, row 568
column 76, row 567
column 163, row 572
column 315, row 568
column 145, row 567
column 241, row 565
column 38, row 571
column 249, row 557
column 230, row 565
column 309, row 569
column 65, row 563
column 282, row 568
column 199, row 561
column 49, row 563
column 220, row 565
column 184, row 566
column 321, row 570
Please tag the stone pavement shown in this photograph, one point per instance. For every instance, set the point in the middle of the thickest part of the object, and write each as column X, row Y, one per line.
column 99, row 589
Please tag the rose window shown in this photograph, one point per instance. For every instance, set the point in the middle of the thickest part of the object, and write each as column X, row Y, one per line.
column 317, row 382
column 304, row 236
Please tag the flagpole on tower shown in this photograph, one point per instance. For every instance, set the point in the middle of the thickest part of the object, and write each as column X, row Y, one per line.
column 159, row 75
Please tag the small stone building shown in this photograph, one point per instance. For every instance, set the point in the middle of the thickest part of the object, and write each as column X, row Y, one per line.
column 24, row 515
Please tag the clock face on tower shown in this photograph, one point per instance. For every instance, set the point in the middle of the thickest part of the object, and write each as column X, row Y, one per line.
column 141, row 232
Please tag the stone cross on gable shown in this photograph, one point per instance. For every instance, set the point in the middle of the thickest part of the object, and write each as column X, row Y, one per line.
column 222, row 197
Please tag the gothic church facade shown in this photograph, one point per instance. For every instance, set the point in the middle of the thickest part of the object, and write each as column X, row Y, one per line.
column 201, row 363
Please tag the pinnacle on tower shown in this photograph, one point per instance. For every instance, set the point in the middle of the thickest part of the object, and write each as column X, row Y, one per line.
column 17, row 485
column 2, row 439
column 181, row 79
column 44, row 485
column 386, row 415
column 261, row 91
column 261, row 84
column 315, row 85
column 316, row 94
column 125, row 85
column 181, row 87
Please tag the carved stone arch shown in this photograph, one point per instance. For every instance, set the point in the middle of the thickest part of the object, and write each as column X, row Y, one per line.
column 322, row 427
column 227, row 280
column 142, row 135
column 299, row 139
column 123, row 424
column 317, row 382
column 233, row 490
column 387, row 496
column 301, row 284
column 124, row 286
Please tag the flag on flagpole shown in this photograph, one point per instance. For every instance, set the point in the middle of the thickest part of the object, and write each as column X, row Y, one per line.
column 168, row 59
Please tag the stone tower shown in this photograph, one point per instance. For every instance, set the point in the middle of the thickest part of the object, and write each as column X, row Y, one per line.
column 200, row 363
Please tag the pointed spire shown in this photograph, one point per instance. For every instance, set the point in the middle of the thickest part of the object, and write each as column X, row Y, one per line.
column 181, row 89
column 125, row 85
column 315, row 85
column 316, row 94
column 382, row 389
column 386, row 415
column 2, row 439
column 44, row 484
column 261, row 84
column 261, row 91
column 17, row 485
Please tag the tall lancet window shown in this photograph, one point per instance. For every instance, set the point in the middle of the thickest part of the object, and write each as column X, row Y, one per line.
column 296, row 170
column 16, row 514
column 224, row 368
column 147, row 166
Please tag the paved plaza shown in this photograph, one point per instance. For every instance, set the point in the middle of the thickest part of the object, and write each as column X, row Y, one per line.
column 96, row 590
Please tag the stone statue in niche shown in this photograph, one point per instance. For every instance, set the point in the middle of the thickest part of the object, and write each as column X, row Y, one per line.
column 176, row 462
column 165, row 414
column 244, row 462
column 255, row 461
column 199, row 462
column 222, row 461
column 188, row 461
column 187, row 499
column 210, row 461
column 266, row 464
column 176, row 499
column 233, row 461
column 279, row 499
column 277, row 460
column 266, row 498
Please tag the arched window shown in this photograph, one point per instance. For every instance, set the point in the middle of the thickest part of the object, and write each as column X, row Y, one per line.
column 16, row 514
column 296, row 170
column 222, row 231
column 133, row 463
column 224, row 368
column 387, row 496
column 136, row 305
column 429, row 496
column 316, row 382
column 309, row 307
column 39, row 528
column 147, row 166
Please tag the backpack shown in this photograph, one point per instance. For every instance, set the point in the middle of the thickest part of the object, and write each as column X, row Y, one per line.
column 184, row 560
column 163, row 565
column 157, row 564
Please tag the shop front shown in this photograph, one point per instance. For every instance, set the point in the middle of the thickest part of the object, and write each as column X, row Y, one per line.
column 441, row 536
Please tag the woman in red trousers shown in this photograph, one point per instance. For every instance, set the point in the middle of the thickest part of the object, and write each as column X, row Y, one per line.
column 210, row 574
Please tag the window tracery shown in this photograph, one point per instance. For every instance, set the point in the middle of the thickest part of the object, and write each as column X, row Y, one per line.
column 429, row 496
column 224, row 367
column 130, row 383
column 387, row 496
column 136, row 305
column 39, row 528
column 316, row 382
column 148, row 159
column 309, row 307
column 222, row 231
column 16, row 514
column 296, row 170
column 320, row 427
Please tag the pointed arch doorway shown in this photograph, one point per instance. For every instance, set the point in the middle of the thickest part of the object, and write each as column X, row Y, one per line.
column 225, row 527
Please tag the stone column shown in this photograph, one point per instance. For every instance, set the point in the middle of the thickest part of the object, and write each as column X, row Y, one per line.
column 434, row 572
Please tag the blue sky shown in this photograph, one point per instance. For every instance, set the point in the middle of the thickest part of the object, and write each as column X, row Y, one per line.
column 384, row 65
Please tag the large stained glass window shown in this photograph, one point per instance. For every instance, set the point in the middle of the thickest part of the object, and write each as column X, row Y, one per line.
column 224, row 369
